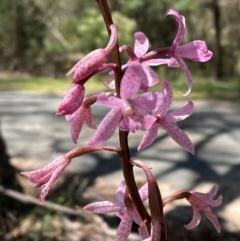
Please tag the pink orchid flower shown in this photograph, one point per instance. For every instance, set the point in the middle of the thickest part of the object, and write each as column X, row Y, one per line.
column 168, row 122
column 126, row 214
column 204, row 202
column 93, row 62
column 72, row 100
column 196, row 50
column 141, row 45
column 129, row 111
column 45, row 177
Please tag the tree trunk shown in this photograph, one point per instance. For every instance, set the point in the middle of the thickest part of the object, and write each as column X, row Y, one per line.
column 20, row 37
column 218, row 50
column 8, row 206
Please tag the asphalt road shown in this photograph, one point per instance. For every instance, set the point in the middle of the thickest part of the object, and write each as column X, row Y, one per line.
column 35, row 136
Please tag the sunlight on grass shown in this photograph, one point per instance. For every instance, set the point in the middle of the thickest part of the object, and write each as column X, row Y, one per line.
column 43, row 85
column 203, row 88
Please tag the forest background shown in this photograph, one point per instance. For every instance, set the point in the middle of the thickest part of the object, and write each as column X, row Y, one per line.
column 41, row 40
column 45, row 38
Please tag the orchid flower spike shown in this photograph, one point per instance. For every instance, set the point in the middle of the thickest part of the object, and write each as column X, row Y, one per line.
column 168, row 122
column 204, row 202
column 45, row 177
column 126, row 214
column 94, row 60
column 130, row 111
column 196, row 50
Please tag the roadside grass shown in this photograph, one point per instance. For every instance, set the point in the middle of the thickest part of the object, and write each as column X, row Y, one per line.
column 203, row 88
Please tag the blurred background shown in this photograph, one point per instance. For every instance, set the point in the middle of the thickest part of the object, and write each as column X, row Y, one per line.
column 41, row 40
column 45, row 38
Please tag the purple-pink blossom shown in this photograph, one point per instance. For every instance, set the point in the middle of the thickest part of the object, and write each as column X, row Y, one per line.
column 126, row 214
column 72, row 100
column 45, row 177
column 130, row 112
column 168, row 122
column 93, row 62
column 204, row 202
column 148, row 76
column 196, row 50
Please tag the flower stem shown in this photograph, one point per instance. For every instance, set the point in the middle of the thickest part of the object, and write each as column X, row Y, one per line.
column 127, row 168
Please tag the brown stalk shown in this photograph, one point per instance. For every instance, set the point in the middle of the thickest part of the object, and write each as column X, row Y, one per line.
column 127, row 168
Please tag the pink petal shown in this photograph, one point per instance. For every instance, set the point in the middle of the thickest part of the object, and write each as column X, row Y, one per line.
column 141, row 44
column 70, row 117
column 149, row 100
column 113, row 40
column 188, row 75
column 143, row 232
column 107, row 127
column 178, row 136
column 173, row 63
column 181, row 114
column 195, row 220
column 77, row 123
column 151, row 77
column 202, row 200
column 129, row 124
column 50, row 182
column 34, row 176
column 111, row 85
column 156, row 62
column 143, row 192
column 124, row 228
column 131, row 80
column 196, row 50
column 120, row 192
column 94, row 60
column 89, row 119
column 103, row 207
column 81, row 115
column 72, row 100
column 148, row 137
column 212, row 217
column 181, row 26
column 108, row 101
column 148, row 121
column 87, row 65
column 164, row 106
column 43, row 180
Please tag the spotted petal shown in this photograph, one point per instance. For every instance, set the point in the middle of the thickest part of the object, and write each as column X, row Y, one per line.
column 131, row 80
column 141, row 44
column 178, row 136
column 196, row 50
column 148, row 137
column 180, row 114
column 107, row 127
column 181, row 26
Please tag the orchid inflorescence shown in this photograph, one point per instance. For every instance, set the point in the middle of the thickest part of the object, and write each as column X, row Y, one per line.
column 132, row 108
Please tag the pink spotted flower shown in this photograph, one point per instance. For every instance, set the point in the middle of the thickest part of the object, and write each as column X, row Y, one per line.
column 196, row 50
column 45, row 177
column 95, row 61
column 128, row 112
column 204, row 202
column 168, row 122
column 148, row 76
column 127, row 214
column 72, row 100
